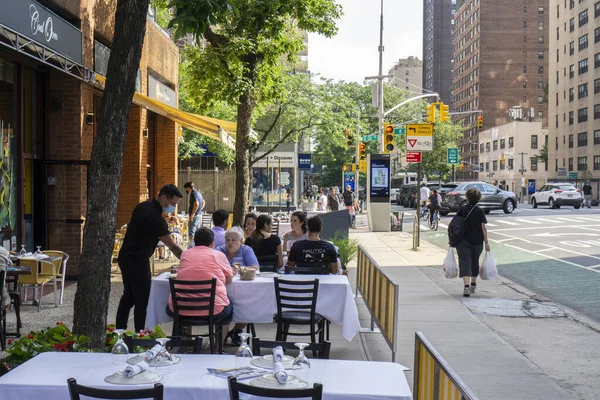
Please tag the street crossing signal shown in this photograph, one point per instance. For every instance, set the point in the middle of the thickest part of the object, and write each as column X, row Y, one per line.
column 388, row 138
column 480, row 122
column 349, row 167
column 444, row 112
column 431, row 113
column 349, row 138
column 461, row 166
column 362, row 151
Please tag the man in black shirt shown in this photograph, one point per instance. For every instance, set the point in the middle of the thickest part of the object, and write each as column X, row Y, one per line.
column 313, row 250
column 145, row 228
column 587, row 195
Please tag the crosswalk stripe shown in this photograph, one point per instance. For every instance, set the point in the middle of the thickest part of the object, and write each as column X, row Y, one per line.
column 492, row 225
column 565, row 219
column 505, row 222
column 546, row 220
column 579, row 219
column 528, row 221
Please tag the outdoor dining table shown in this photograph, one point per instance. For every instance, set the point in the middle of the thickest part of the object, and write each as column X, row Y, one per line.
column 45, row 377
column 254, row 301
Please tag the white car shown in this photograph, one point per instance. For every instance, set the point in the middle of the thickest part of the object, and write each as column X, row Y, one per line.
column 393, row 193
column 556, row 195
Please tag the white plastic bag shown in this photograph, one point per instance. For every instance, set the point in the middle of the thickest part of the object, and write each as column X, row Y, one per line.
column 488, row 268
column 450, row 266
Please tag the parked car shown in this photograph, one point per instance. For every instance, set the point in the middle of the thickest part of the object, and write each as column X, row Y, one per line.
column 556, row 195
column 444, row 190
column 492, row 198
column 394, row 194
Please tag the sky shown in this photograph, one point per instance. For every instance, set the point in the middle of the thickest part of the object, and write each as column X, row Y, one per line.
column 352, row 54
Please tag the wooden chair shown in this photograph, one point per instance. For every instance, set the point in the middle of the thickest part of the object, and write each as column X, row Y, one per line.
column 321, row 349
column 76, row 390
column 205, row 301
column 296, row 305
column 60, row 265
column 176, row 345
column 37, row 279
column 235, row 388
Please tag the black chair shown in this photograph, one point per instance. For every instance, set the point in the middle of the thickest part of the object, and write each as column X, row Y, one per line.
column 275, row 227
column 322, row 349
column 296, row 305
column 235, row 388
column 320, row 268
column 206, row 222
column 205, row 290
column 76, row 390
column 176, row 345
column 268, row 263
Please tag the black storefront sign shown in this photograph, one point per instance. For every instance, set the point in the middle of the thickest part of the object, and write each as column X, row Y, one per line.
column 101, row 57
column 34, row 21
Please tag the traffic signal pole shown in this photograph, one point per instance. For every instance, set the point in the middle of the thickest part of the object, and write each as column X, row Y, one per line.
column 380, row 81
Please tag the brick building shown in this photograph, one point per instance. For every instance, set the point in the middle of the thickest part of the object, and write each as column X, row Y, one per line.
column 500, row 65
column 53, row 56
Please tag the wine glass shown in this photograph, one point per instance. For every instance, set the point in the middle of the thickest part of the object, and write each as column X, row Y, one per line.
column 301, row 360
column 120, row 351
column 23, row 251
column 243, row 355
column 163, row 353
column 237, row 263
column 38, row 252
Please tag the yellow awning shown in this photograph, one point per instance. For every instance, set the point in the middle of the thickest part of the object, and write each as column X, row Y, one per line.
column 210, row 127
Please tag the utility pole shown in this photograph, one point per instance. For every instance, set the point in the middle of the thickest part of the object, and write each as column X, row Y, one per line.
column 380, row 78
column 357, row 158
column 522, row 171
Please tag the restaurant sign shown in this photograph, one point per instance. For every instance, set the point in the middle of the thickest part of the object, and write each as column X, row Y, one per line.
column 36, row 22
column 161, row 92
column 277, row 159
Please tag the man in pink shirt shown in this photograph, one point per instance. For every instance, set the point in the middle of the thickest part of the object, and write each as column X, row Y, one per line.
column 201, row 263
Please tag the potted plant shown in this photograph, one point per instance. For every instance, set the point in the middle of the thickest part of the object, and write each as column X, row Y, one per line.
column 347, row 248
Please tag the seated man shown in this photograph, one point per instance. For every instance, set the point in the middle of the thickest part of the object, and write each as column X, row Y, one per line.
column 313, row 251
column 220, row 220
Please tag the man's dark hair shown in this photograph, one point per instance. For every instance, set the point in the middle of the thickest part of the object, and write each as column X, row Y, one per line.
column 170, row 190
column 219, row 217
column 204, row 237
column 314, row 224
column 189, row 185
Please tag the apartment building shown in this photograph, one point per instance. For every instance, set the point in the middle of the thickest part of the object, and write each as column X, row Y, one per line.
column 500, row 63
column 408, row 74
column 574, row 94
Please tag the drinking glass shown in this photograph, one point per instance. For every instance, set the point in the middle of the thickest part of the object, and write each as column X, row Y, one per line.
column 301, row 360
column 243, row 355
column 163, row 353
column 38, row 252
column 237, row 263
column 120, row 351
column 23, row 250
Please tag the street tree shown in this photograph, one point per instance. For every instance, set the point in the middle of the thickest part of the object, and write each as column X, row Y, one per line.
column 243, row 63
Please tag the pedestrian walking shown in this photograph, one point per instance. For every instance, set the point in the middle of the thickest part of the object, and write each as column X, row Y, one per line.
column 425, row 193
column 288, row 200
column 350, row 203
column 144, row 230
column 475, row 237
column 587, row 195
column 332, row 202
column 194, row 210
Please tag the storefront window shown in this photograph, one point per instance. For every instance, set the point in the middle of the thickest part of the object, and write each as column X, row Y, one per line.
column 270, row 189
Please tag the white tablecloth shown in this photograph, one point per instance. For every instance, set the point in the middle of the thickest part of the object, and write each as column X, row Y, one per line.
column 45, row 377
column 254, row 301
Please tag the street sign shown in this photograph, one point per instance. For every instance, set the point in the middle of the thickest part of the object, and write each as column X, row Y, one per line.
column 284, row 181
column 370, row 138
column 573, row 175
column 522, row 170
column 419, row 137
column 491, row 174
column 400, row 130
column 413, row 157
column 362, row 165
column 562, row 172
column 475, row 168
column 453, row 155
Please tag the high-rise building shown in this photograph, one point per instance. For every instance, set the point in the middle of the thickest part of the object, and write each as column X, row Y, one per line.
column 408, row 74
column 574, row 93
column 438, row 54
column 500, row 67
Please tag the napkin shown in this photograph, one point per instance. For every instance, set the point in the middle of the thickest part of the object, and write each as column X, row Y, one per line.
column 135, row 369
column 280, row 373
column 153, row 352
column 278, row 354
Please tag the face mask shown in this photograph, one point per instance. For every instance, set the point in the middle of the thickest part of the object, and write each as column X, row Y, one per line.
column 169, row 209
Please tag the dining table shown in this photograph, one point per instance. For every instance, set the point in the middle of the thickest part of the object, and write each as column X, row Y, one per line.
column 45, row 377
column 255, row 302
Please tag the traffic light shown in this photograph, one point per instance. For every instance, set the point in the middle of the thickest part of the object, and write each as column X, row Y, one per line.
column 349, row 167
column 444, row 112
column 362, row 151
column 349, row 138
column 388, row 138
column 461, row 166
column 480, row 122
column 431, row 113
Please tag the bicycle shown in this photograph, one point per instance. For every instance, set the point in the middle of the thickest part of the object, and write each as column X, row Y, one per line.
column 424, row 213
column 433, row 225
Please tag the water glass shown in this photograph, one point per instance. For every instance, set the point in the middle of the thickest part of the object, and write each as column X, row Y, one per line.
column 120, row 351
column 38, row 252
column 23, row 251
column 243, row 355
column 300, row 361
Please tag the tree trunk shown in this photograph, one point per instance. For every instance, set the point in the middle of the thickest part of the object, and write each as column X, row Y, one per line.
column 242, row 158
column 104, row 172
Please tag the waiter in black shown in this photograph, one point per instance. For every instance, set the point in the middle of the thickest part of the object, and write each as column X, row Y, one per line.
column 146, row 227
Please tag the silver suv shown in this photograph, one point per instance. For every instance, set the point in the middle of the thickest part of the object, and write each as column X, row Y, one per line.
column 556, row 195
column 492, row 198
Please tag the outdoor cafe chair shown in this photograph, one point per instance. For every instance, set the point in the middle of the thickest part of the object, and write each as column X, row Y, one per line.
column 76, row 390
column 176, row 344
column 275, row 227
column 60, row 265
column 268, row 263
column 38, row 278
column 235, row 388
column 321, row 349
column 321, row 268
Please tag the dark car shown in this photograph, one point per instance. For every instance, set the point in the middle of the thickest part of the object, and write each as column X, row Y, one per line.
column 492, row 198
column 444, row 190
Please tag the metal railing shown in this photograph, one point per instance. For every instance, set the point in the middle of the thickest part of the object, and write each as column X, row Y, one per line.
column 380, row 295
column 434, row 379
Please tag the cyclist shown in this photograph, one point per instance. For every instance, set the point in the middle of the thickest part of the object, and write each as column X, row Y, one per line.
column 435, row 201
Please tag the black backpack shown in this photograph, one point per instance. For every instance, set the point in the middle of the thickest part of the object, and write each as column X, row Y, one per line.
column 457, row 228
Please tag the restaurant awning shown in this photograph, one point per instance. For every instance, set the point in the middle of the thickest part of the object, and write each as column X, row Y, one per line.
column 210, row 127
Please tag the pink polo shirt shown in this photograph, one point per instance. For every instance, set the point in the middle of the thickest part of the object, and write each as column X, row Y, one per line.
column 201, row 263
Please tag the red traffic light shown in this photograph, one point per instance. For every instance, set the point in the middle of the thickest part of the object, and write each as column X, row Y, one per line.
column 389, row 129
column 362, row 147
column 480, row 119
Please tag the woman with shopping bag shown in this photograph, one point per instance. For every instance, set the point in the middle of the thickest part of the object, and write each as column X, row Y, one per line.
column 471, row 246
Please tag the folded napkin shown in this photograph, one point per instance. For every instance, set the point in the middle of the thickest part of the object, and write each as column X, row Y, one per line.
column 153, row 352
column 278, row 354
column 280, row 373
column 135, row 369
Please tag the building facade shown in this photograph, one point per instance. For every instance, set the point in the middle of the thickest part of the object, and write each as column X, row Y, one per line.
column 438, row 53
column 50, row 95
column 408, row 74
column 500, row 67
column 574, row 94
column 508, row 155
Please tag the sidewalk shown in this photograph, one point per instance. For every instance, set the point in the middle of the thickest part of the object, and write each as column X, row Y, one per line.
column 485, row 361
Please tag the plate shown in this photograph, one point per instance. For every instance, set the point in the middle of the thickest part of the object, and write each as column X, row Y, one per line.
column 161, row 363
column 144, row 378
column 269, row 274
column 267, row 361
column 270, row 382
